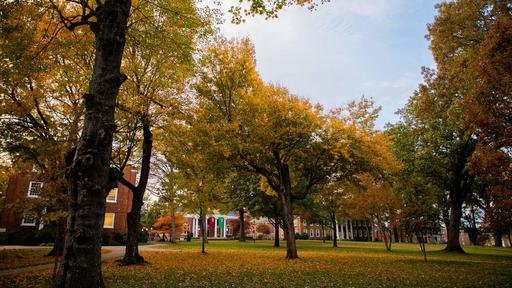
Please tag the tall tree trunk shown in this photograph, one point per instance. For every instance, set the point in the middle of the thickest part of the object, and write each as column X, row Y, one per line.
column 276, row 233
column 421, row 241
column 291, row 247
column 131, row 254
column 90, row 174
column 498, row 241
column 242, row 225
column 60, row 233
column 323, row 232
column 202, row 226
column 173, row 226
column 386, row 234
column 453, row 244
column 334, row 230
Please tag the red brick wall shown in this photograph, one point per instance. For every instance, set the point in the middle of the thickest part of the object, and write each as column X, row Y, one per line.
column 17, row 190
column 123, row 204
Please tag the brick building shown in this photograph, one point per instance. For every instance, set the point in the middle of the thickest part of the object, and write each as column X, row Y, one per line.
column 24, row 188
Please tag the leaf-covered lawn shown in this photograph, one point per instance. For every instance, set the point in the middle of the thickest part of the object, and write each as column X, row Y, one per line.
column 233, row 264
column 18, row 258
column 10, row 259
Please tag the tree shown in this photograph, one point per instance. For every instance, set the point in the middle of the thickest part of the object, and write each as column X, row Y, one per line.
column 286, row 140
column 41, row 110
column 242, row 188
column 331, row 198
column 90, row 176
column 374, row 200
column 470, row 42
column 158, row 63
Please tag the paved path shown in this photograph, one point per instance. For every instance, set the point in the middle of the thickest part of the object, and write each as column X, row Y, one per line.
column 116, row 251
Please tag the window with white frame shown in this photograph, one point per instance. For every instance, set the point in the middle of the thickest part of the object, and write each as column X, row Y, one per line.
column 112, row 196
column 311, row 233
column 28, row 220
column 109, row 220
column 34, row 189
column 317, row 232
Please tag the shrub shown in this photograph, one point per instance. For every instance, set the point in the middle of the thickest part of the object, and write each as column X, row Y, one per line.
column 4, row 238
column 121, row 238
column 303, row 236
column 143, row 237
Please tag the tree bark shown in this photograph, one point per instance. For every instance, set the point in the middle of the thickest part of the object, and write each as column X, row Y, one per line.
column 202, row 226
column 276, row 233
column 242, row 225
column 89, row 176
column 334, row 231
column 498, row 241
column 323, row 233
column 453, row 244
column 291, row 247
column 173, row 226
column 131, row 255
column 386, row 234
column 60, row 233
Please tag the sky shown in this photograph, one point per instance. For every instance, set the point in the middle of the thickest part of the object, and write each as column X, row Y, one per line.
column 345, row 49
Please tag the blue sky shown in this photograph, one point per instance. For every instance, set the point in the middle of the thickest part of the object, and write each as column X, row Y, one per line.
column 344, row 49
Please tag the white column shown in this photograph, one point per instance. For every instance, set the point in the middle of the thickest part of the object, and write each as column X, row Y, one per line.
column 196, row 233
column 342, row 233
column 351, row 230
column 215, row 227
column 224, row 227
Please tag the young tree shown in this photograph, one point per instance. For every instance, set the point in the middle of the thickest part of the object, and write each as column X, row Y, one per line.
column 374, row 200
column 331, row 198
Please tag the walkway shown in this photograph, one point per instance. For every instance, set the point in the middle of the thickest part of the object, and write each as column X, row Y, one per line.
column 116, row 251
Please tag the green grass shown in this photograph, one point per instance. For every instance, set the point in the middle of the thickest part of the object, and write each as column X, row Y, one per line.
column 354, row 264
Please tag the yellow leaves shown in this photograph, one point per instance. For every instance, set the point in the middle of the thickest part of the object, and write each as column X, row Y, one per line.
column 263, row 186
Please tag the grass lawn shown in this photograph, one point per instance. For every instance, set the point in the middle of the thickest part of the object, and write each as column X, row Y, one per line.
column 354, row 264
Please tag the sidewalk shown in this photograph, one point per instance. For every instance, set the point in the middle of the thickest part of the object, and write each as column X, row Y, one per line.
column 116, row 251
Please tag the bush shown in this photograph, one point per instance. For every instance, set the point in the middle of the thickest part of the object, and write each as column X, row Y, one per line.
column 303, row 236
column 106, row 239
column 121, row 238
column 4, row 238
column 143, row 237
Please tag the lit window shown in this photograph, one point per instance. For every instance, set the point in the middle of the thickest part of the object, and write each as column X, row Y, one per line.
column 34, row 189
column 109, row 220
column 28, row 220
column 112, row 196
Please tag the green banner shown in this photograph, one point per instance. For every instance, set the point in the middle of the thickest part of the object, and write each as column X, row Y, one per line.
column 220, row 222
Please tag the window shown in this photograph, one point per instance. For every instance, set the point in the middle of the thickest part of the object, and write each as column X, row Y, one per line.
column 109, row 220
column 28, row 220
column 34, row 189
column 112, row 196
column 317, row 233
column 311, row 233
